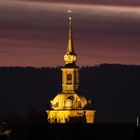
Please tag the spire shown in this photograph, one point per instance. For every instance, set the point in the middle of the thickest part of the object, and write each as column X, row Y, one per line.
column 70, row 49
column 70, row 57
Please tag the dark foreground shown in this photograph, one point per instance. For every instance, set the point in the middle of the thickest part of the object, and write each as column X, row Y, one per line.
column 80, row 131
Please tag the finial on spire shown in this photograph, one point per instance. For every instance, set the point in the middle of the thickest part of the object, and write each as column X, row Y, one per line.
column 69, row 10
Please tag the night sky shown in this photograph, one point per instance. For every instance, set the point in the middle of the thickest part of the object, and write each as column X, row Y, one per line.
column 34, row 32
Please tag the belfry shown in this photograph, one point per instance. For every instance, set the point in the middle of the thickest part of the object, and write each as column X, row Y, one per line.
column 68, row 106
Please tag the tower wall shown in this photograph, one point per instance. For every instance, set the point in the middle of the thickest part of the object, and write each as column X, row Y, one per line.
column 70, row 79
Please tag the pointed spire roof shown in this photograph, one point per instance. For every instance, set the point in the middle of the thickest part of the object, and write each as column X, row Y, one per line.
column 70, row 57
column 70, row 49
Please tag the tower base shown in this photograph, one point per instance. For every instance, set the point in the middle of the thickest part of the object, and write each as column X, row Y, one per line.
column 71, row 116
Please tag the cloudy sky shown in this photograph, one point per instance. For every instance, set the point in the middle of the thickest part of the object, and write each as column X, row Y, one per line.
column 34, row 32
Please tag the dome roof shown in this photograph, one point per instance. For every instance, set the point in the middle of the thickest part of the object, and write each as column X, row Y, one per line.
column 83, row 100
column 62, row 99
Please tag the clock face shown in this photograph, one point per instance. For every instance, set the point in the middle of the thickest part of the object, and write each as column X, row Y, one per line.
column 70, row 58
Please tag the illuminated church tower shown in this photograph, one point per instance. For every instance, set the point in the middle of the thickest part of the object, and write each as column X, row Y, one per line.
column 68, row 106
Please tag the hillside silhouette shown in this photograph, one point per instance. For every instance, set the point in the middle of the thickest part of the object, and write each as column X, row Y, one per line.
column 114, row 88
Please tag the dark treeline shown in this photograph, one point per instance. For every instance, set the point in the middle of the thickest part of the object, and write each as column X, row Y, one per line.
column 114, row 89
column 25, row 94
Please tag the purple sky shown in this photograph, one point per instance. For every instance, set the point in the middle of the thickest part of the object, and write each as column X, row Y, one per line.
column 101, row 2
column 35, row 33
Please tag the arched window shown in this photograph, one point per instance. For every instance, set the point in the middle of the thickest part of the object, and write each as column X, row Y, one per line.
column 68, row 103
column 69, row 78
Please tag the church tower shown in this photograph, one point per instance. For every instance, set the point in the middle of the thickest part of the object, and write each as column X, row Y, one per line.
column 70, row 73
column 68, row 106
